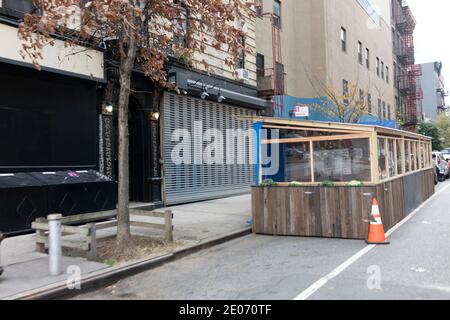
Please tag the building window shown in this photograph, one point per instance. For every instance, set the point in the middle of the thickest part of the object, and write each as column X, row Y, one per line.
column 369, row 103
column 260, row 65
column 345, row 91
column 367, row 58
column 379, row 110
column 360, row 57
column 259, row 7
column 180, row 28
column 277, row 13
column 18, row 8
column 395, row 74
column 361, row 97
column 389, row 112
column 382, row 70
column 384, row 111
column 393, row 39
column 378, row 66
column 344, row 39
column 241, row 59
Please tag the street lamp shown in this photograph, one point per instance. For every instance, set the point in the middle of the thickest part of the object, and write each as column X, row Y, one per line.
column 108, row 109
column 155, row 115
column 204, row 94
column 220, row 97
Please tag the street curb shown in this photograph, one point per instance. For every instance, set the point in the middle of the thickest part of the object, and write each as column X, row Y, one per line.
column 103, row 278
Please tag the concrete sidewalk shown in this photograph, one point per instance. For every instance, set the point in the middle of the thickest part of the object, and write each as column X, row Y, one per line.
column 195, row 223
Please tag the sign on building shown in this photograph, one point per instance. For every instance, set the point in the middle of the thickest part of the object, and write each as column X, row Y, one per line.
column 301, row 111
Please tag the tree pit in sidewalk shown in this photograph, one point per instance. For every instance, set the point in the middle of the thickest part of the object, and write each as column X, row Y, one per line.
column 139, row 247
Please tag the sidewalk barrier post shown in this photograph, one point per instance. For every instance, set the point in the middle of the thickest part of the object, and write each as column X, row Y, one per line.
column 54, row 243
column 169, row 227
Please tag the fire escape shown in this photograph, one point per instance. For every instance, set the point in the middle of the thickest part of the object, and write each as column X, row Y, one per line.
column 408, row 84
column 272, row 81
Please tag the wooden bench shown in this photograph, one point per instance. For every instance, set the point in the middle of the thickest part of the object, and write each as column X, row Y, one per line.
column 88, row 231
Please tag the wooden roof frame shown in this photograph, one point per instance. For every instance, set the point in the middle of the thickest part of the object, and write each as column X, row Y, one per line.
column 334, row 127
column 344, row 131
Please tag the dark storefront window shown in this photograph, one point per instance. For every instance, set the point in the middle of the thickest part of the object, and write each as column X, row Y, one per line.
column 47, row 121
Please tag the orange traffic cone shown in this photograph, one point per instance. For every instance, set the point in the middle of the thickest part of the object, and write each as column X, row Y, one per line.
column 376, row 229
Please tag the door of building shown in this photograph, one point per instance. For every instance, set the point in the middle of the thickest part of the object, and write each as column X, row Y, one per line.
column 137, row 158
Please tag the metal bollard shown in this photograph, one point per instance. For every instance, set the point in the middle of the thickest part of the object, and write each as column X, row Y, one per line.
column 54, row 243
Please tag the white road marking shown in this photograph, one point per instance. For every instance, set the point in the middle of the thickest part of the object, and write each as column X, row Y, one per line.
column 418, row 270
column 324, row 280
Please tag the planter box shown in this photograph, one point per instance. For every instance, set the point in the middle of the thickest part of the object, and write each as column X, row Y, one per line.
column 337, row 212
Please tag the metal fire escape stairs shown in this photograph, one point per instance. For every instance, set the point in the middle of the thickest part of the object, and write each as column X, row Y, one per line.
column 409, row 85
column 278, row 73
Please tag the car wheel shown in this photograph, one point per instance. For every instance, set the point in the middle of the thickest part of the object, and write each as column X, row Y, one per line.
column 441, row 178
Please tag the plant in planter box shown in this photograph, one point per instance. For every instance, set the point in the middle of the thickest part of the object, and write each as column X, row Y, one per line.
column 295, row 184
column 355, row 183
column 269, row 183
column 327, row 183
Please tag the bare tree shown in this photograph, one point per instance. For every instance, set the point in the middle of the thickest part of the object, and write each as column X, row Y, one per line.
column 347, row 104
column 345, row 107
column 147, row 33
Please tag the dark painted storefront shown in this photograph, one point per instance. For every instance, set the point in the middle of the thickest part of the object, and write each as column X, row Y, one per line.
column 49, row 129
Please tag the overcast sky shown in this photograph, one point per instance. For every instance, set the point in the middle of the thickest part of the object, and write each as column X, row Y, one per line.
column 432, row 41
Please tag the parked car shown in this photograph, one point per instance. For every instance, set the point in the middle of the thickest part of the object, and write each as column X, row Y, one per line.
column 443, row 170
column 436, row 174
column 446, row 154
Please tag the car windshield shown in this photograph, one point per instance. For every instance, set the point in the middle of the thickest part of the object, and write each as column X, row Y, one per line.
column 446, row 152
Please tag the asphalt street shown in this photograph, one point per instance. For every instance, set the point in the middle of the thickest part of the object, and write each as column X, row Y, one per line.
column 416, row 265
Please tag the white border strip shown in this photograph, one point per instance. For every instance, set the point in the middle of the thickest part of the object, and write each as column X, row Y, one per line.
column 322, row 281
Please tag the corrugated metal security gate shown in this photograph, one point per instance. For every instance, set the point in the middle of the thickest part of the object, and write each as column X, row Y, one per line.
column 195, row 182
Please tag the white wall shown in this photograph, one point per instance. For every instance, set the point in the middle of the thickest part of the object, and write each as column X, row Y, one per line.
column 77, row 60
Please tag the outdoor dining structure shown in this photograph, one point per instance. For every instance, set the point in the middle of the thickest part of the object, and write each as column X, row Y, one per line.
column 319, row 179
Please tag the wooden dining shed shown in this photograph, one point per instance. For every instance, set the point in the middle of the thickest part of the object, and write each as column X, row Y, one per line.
column 318, row 179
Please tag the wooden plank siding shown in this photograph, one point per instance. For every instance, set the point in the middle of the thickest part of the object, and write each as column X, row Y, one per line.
column 331, row 212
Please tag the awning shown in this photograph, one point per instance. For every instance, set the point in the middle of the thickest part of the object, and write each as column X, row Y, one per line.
column 188, row 83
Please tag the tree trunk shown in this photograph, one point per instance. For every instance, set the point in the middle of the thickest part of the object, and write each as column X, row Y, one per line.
column 123, row 211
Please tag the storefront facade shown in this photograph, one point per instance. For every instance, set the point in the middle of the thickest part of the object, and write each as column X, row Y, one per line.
column 216, row 142
column 49, row 124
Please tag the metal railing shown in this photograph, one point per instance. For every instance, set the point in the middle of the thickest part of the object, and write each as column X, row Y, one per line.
column 270, row 82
